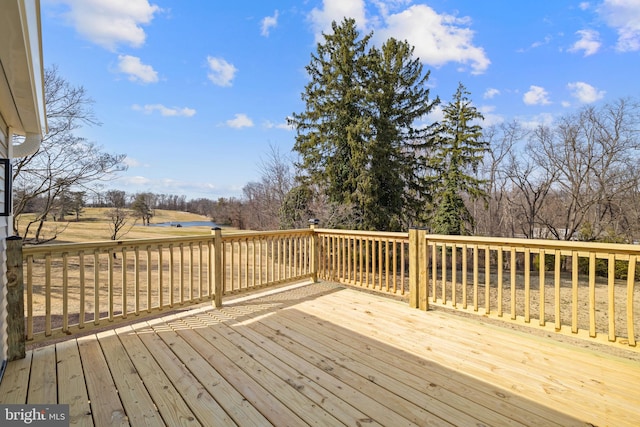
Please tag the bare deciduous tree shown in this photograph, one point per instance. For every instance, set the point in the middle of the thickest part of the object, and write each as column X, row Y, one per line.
column 528, row 196
column 594, row 154
column 118, row 221
column 496, row 220
column 64, row 160
column 264, row 199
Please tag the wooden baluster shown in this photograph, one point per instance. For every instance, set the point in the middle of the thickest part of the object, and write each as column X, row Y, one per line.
column 556, row 279
column 611, row 297
column 592, row 294
column 631, row 280
column 487, row 280
column 541, row 284
column 527, row 285
column 125, row 308
column 574, row 289
column 65, row 292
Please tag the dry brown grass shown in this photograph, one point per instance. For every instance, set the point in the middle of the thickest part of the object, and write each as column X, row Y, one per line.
column 94, row 226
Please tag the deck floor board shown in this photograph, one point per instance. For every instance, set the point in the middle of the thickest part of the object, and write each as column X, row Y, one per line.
column 500, row 359
column 74, row 391
column 325, row 354
column 383, row 367
column 204, row 406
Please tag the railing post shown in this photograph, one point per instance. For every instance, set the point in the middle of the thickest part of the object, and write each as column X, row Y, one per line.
column 217, row 267
column 313, row 261
column 413, row 268
column 418, row 279
column 15, row 300
column 423, row 275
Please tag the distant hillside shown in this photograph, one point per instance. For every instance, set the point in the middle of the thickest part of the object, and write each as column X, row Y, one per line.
column 94, row 226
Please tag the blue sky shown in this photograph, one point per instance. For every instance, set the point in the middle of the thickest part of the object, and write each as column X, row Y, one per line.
column 195, row 92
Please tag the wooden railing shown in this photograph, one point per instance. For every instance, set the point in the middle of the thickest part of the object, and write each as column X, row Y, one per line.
column 253, row 260
column 372, row 260
column 74, row 287
column 579, row 288
column 583, row 289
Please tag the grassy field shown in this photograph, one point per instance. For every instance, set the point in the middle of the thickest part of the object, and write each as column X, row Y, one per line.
column 94, row 226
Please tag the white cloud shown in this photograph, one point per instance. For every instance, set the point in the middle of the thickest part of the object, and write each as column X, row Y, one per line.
column 131, row 162
column 161, row 185
column 584, row 5
column 536, row 96
column 490, row 117
column 585, row 93
column 547, row 39
column 221, row 72
column 269, row 22
column 165, row 111
column 240, row 121
column 109, row 23
column 137, row 71
column 336, row 10
column 435, row 115
column 543, row 119
column 565, row 104
column 271, row 125
column 490, row 93
column 589, row 42
column 438, row 38
column 624, row 16
column 135, row 180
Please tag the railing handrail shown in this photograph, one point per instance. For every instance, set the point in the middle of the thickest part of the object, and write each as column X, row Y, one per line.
column 359, row 233
column 105, row 245
column 570, row 245
column 61, row 248
column 270, row 233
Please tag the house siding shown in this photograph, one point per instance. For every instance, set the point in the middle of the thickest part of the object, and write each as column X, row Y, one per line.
column 4, row 232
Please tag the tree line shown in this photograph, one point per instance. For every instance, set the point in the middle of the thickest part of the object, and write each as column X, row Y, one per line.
column 576, row 179
column 367, row 155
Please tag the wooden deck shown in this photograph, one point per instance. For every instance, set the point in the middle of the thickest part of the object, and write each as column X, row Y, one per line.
column 322, row 354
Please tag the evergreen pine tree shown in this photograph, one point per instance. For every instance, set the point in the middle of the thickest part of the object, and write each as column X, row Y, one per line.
column 398, row 97
column 356, row 137
column 333, row 130
column 458, row 151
